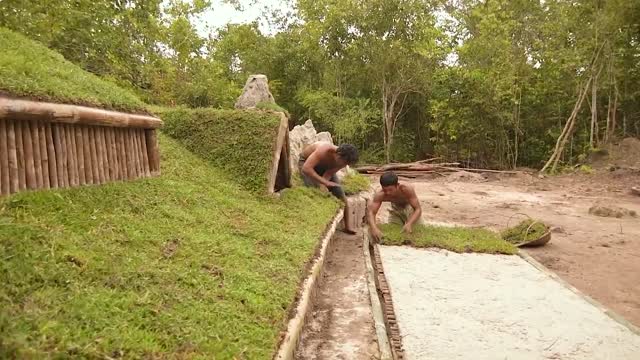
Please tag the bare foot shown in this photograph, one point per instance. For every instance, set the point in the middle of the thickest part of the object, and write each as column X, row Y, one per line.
column 349, row 231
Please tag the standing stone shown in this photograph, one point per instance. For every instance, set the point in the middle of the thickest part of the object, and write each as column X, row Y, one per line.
column 255, row 91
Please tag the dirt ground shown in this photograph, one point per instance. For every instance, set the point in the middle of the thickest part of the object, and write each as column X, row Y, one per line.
column 341, row 325
column 598, row 255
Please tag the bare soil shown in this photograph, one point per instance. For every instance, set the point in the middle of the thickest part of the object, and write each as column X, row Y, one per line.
column 598, row 255
column 341, row 324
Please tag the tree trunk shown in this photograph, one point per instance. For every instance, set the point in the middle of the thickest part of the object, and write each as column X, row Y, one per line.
column 594, row 113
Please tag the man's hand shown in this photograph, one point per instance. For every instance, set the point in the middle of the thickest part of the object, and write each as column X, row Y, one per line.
column 407, row 228
column 376, row 233
column 323, row 188
column 331, row 184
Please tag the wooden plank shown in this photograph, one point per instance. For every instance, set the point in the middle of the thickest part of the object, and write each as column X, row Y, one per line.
column 77, row 144
column 51, row 153
column 37, row 160
column 44, row 156
column 14, row 184
column 26, row 110
column 5, row 183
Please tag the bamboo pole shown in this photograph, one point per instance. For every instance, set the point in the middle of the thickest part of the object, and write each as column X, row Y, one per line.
column 77, row 144
column 99, row 154
column 51, row 153
column 12, row 150
column 26, row 110
column 124, row 162
column 5, row 185
column 22, row 181
column 86, row 154
column 151, row 139
column 44, row 156
column 94, row 155
column 37, row 160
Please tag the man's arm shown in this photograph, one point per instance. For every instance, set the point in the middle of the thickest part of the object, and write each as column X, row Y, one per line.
column 372, row 210
column 309, row 169
column 417, row 209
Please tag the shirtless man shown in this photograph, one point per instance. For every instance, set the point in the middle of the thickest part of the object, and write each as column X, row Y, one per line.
column 319, row 162
column 405, row 207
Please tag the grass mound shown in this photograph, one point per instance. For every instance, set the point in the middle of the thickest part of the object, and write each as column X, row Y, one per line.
column 525, row 232
column 354, row 183
column 457, row 239
column 238, row 141
column 30, row 69
column 186, row 265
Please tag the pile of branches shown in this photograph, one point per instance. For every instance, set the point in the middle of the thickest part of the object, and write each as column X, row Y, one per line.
column 422, row 168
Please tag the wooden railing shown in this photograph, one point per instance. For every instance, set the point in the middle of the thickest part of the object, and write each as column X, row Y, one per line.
column 45, row 145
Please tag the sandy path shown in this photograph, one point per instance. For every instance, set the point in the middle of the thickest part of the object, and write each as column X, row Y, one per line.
column 478, row 306
column 599, row 256
column 341, row 325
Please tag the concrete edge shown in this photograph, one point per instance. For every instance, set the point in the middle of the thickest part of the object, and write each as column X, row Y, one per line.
column 376, row 308
column 289, row 344
column 610, row 313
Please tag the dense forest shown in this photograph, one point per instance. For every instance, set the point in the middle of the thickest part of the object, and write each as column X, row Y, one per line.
column 492, row 83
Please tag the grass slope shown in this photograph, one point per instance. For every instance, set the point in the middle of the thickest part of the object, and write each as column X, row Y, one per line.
column 30, row 69
column 187, row 265
column 239, row 141
column 354, row 183
column 457, row 239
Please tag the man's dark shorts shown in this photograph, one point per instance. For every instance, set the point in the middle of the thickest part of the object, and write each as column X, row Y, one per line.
column 308, row 181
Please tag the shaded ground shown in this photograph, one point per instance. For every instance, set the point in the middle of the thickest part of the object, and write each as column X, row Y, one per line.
column 341, row 324
column 479, row 306
column 599, row 256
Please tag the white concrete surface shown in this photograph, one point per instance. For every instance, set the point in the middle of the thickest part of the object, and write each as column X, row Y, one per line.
column 479, row 306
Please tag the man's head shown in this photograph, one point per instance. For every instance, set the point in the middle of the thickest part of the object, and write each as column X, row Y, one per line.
column 389, row 183
column 348, row 154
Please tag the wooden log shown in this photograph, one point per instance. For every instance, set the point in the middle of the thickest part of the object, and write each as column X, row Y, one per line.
column 143, row 149
column 95, row 166
column 44, row 155
column 111, row 153
column 37, row 160
column 65, row 155
column 26, row 110
column 153, row 152
column 134, row 153
column 77, row 144
column 122, row 151
column 27, row 142
column 51, row 153
column 113, row 150
column 22, row 181
column 103, row 151
column 86, row 154
column 5, row 183
column 12, row 149
column 71, row 155
column 99, row 153
column 57, row 139
column 136, row 144
column 133, row 173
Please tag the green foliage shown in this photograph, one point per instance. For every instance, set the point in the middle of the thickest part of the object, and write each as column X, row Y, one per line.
column 457, row 239
column 238, row 141
column 29, row 69
column 263, row 105
column 354, row 183
column 525, row 231
column 586, row 169
column 186, row 265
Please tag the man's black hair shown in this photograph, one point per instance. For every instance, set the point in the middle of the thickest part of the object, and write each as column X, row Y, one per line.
column 389, row 178
column 349, row 153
